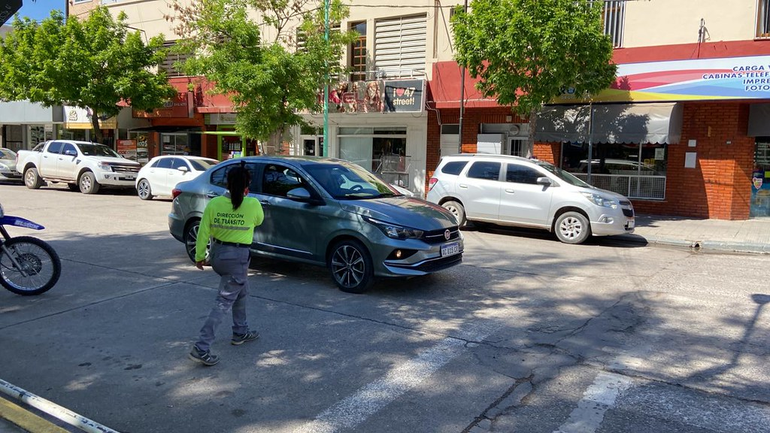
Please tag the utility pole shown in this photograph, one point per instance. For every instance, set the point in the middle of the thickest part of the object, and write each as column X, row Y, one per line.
column 326, row 82
column 462, row 95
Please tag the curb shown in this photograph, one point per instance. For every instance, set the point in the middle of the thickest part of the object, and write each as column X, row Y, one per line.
column 26, row 420
column 734, row 247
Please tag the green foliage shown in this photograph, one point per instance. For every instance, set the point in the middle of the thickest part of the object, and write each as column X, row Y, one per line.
column 526, row 52
column 95, row 63
column 268, row 81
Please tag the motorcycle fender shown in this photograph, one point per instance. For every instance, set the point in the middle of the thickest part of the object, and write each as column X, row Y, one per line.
column 8, row 220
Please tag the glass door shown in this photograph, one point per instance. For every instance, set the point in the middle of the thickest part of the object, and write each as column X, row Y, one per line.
column 760, row 179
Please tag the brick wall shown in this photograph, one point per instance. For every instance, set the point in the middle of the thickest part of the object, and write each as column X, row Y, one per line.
column 719, row 187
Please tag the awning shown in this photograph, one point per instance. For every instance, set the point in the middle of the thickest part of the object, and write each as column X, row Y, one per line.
column 612, row 123
column 759, row 120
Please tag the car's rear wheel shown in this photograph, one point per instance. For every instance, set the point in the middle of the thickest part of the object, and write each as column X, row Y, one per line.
column 572, row 228
column 88, row 183
column 457, row 210
column 191, row 238
column 351, row 266
column 32, row 179
column 144, row 190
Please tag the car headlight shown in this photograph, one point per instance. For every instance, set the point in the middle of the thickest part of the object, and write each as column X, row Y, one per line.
column 104, row 166
column 600, row 200
column 395, row 231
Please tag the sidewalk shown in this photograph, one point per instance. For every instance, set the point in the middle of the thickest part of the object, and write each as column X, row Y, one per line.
column 747, row 236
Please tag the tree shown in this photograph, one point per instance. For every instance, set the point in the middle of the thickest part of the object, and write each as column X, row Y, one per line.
column 525, row 53
column 95, row 64
column 270, row 82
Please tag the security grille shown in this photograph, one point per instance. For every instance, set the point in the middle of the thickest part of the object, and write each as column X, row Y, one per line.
column 613, row 19
column 763, row 19
column 172, row 64
column 400, row 46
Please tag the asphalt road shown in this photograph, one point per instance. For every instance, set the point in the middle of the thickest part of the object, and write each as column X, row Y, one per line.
column 527, row 335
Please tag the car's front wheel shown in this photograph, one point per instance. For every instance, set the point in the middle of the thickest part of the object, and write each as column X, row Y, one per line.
column 144, row 190
column 351, row 266
column 457, row 210
column 572, row 228
column 88, row 183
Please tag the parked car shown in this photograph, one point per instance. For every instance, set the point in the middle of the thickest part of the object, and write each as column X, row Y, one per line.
column 161, row 174
column 81, row 165
column 8, row 166
column 331, row 213
column 515, row 191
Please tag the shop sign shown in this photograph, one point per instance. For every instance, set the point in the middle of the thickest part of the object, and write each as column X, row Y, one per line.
column 176, row 107
column 127, row 148
column 220, row 118
column 7, row 9
column 687, row 80
column 80, row 118
column 376, row 96
column 404, row 96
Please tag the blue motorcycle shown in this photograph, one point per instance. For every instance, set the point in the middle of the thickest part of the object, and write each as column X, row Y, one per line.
column 28, row 266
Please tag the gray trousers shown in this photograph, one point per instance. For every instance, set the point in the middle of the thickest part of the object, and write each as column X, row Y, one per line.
column 232, row 265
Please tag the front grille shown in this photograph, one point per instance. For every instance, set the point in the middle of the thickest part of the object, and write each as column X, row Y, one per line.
column 125, row 168
column 439, row 236
column 628, row 212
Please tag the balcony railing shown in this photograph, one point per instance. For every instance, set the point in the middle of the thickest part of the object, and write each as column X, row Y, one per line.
column 632, row 186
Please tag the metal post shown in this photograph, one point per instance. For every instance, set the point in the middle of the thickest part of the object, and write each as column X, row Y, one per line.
column 590, row 143
column 326, row 82
column 462, row 94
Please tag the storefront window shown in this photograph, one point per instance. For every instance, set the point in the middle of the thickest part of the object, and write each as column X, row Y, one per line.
column 636, row 170
column 381, row 150
column 174, row 144
column 760, row 179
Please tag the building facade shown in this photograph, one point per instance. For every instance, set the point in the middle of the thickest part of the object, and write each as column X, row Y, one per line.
column 682, row 132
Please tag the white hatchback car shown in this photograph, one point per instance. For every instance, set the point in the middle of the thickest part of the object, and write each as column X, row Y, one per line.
column 161, row 174
column 514, row 191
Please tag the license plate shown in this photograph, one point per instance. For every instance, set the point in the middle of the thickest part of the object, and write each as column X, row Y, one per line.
column 630, row 224
column 450, row 249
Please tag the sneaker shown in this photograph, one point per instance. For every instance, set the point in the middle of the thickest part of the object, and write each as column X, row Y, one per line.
column 205, row 358
column 239, row 339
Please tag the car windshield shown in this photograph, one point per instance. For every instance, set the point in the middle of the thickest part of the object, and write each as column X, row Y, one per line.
column 93, row 149
column 202, row 164
column 563, row 175
column 349, row 181
column 7, row 154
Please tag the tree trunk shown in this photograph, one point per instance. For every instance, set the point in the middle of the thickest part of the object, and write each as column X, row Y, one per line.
column 95, row 126
column 531, row 142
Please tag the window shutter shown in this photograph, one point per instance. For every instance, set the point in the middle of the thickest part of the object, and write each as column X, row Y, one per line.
column 400, row 46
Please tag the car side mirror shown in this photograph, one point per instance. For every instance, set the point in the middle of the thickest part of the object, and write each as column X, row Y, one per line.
column 299, row 194
column 544, row 181
column 182, row 169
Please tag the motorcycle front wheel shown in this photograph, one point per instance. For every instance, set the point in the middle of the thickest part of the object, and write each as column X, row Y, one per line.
column 36, row 269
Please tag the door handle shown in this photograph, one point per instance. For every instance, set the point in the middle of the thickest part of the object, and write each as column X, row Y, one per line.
column 211, row 194
column 463, row 186
column 510, row 191
column 264, row 202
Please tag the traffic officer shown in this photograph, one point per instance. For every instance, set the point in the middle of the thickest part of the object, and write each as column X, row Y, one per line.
column 229, row 220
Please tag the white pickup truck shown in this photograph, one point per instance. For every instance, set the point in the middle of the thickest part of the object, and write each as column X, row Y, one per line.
column 80, row 164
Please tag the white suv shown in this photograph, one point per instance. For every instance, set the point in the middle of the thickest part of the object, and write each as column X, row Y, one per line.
column 514, row 191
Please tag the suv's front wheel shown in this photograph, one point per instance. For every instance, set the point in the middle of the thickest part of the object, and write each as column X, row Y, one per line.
column 351, row 266
column 572, row 228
